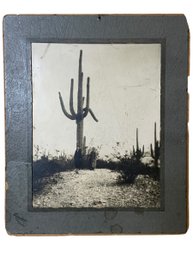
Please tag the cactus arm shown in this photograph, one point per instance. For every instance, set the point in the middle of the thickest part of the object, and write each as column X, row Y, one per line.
column 92, row 114
column 71, row 98
column 64, row 110
column 86, row 110
column 137, row 141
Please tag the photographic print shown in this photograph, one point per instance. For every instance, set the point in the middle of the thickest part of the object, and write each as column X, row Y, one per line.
column 96, row 125
column 96, row 122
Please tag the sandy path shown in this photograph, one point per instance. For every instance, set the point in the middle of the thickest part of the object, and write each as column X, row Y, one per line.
column 97, row 189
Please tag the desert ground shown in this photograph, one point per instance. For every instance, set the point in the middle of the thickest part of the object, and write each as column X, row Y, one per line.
column 97, row 188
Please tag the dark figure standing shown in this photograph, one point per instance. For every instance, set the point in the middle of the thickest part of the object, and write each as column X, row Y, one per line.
column 92, row 160
column 78, row 158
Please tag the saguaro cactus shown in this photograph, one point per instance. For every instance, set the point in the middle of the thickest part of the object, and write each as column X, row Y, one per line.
column 82, row 112
column 155, row 153
column 138, row 152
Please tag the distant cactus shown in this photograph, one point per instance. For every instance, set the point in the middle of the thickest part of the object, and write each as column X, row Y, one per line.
column 155, row 153
column 81, row 111
column 138, row 152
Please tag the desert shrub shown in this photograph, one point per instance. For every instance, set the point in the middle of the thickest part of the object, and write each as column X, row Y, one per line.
column 107, row 164
column 152, row 171
column 129, row 169
column 45, row 167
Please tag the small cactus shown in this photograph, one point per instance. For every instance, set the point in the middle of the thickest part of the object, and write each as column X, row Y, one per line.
column 155, row 153
column 138, row 152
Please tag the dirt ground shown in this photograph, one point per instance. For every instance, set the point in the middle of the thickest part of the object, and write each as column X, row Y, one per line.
column 97, row 189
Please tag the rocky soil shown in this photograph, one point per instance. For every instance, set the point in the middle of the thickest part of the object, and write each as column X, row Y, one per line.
column 97, row 189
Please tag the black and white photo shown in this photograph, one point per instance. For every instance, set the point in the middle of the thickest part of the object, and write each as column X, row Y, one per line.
column 96, row 125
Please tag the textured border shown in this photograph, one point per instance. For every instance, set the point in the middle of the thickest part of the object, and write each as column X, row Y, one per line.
column 19, row 32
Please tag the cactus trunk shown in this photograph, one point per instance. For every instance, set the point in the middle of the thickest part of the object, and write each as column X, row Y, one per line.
column 79, row 120
column 79, row 134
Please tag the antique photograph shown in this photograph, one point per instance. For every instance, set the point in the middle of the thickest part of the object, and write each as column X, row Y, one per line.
column 96, row 125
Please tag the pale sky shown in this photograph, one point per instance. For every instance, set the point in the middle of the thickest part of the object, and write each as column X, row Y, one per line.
column 124, row 94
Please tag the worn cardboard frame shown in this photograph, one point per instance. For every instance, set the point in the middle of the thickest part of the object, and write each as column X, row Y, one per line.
column 169, row 30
